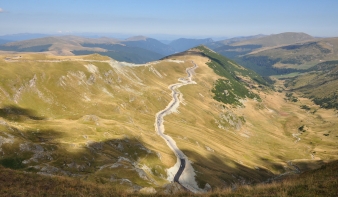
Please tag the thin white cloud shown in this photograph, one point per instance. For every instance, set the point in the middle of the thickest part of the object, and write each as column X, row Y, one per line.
column 1, row 10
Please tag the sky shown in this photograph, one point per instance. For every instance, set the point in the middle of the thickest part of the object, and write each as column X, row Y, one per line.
column 166, row 19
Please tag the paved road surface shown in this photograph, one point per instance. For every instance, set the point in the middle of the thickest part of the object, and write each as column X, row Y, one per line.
column 180, row 170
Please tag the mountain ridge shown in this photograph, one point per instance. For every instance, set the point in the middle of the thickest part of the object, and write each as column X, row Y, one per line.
column 277, row 39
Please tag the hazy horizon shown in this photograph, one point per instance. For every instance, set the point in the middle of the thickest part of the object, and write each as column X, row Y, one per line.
column 169, row 19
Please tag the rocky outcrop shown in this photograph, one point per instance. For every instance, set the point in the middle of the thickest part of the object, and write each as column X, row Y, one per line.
column 229, row 120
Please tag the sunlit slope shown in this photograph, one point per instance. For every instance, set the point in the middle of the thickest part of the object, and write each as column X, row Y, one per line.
column 93, row 118
column 249, row 143
column 76, row 116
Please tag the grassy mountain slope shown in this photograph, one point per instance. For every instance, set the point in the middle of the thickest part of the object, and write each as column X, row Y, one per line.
column 93, row 118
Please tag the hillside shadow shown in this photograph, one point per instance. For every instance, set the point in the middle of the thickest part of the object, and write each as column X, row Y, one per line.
column 227, row 170
column 15, row 113
column 111, row 161
column 233, row 173
column 230, row 172
column 115, row 160
column 20, row 145
column 43, row 135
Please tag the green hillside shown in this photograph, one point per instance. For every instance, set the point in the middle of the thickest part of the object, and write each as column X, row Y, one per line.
column 238, row 79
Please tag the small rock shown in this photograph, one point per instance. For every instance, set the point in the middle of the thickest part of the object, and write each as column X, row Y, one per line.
column 173, row 188
column 120, row 147
column 207, row 187
column 148, row 190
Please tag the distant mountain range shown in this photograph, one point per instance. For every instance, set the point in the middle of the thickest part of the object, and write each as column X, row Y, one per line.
column 266, row 54
column 236, row 47
column 2, row 41
column 22, row 36
column 278, row 53
column 138, row 49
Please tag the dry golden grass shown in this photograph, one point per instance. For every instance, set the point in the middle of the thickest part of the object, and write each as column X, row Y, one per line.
column 14, row 183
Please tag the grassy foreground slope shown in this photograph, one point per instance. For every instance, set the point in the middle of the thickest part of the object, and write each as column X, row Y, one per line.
column 320, row 182
column 92, row 118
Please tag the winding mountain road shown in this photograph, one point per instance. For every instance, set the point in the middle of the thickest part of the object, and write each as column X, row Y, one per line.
column 182, row 160
column 180, row 170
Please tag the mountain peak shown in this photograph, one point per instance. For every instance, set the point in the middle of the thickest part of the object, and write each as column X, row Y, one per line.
column 183, row 44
